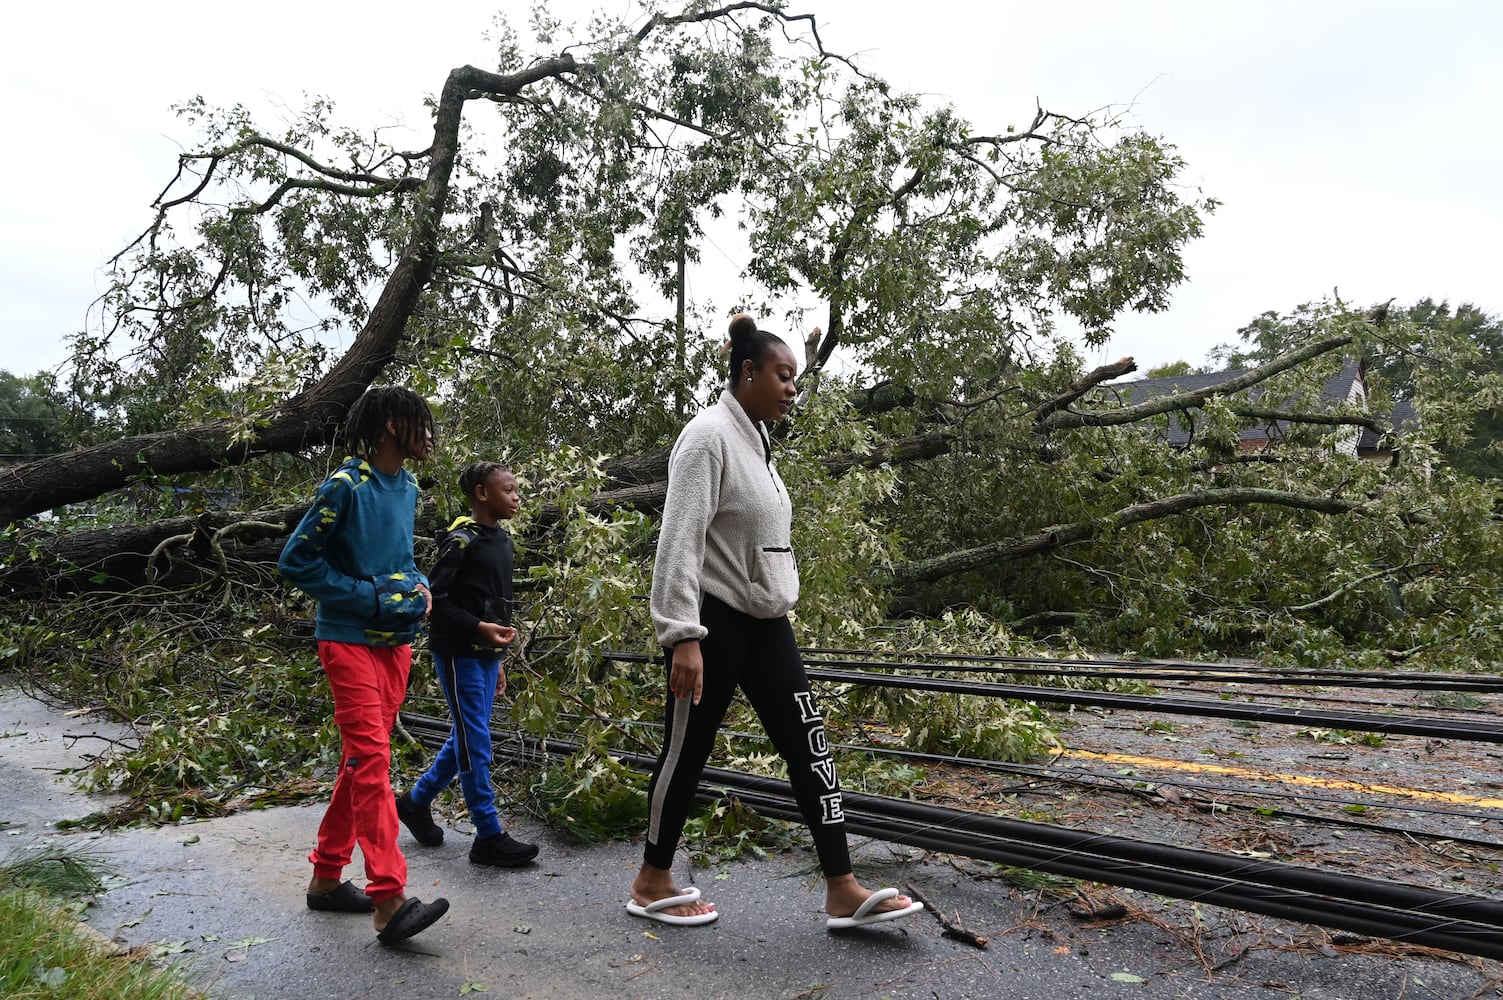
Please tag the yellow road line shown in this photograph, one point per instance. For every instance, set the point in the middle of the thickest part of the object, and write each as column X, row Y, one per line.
column 1455, row 798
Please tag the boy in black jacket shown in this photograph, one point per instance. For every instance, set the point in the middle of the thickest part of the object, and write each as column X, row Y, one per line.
column 469, row 627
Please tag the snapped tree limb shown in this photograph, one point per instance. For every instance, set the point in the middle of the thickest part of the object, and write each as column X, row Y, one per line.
column 1326, row 419
column 1057, row 535
column 1063, row 418
column 1085, row 384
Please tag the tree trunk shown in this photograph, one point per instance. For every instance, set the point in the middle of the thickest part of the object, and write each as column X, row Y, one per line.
column 312, row 417
column 172, row 552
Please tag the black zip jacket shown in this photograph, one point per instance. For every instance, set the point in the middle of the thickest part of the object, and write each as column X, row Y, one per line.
column 471, row 583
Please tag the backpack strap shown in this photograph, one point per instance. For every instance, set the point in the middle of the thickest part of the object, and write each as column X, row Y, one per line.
column 462, row 529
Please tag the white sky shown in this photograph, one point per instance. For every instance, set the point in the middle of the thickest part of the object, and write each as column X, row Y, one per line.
column 1356, row 144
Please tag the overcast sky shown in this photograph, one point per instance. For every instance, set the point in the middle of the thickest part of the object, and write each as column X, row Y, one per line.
column 1356, row 146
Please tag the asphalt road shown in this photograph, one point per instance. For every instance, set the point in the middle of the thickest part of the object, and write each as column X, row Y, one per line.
column 224, row 899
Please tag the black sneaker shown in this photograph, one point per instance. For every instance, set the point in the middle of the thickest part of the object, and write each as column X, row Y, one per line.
column 501, row 851
column 419, row 821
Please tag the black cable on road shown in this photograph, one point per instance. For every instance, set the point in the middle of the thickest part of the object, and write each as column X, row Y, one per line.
column 1370, row 722
column 1160, row 670
column 1419, row 928
column 1274, row 874
column 1116, row 783
column 1406, row 725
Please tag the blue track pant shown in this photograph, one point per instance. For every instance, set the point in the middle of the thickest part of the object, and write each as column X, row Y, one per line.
column 470, row 688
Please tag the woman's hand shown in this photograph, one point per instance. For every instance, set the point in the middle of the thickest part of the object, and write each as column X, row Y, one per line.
column 686, row 678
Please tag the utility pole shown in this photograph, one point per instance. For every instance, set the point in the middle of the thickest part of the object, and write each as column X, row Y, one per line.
column 679, row 402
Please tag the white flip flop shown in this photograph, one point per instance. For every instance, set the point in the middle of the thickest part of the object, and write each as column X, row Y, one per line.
column 864, row 914
column 654, row 910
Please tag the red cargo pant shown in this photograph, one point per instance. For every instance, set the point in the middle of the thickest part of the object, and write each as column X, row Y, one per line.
column 368, row 683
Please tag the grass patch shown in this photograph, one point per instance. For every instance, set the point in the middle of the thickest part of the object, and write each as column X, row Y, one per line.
column 46, row 953
column 54, row 870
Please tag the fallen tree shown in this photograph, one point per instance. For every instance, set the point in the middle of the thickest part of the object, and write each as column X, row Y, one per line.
column 195, row 547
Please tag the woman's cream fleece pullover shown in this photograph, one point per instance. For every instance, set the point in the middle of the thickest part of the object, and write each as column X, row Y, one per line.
column 726, row 525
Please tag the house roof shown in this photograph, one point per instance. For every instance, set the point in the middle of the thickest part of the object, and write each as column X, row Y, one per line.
column 1404, row 418
column 1336, row 391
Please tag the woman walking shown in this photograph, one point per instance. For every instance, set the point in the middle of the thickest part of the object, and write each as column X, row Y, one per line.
column 722, row 586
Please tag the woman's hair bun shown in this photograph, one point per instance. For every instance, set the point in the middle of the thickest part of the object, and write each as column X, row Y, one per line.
column 742, row 326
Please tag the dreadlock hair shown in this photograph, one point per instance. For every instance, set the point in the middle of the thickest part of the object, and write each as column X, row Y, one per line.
column 747, row 344
column 366, row 423
column 475, row 475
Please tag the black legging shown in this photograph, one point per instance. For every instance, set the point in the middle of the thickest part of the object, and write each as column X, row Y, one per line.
column 760, row 656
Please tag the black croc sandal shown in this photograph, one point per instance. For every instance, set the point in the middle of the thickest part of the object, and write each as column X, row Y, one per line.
column 414, row 917
column 345, row 899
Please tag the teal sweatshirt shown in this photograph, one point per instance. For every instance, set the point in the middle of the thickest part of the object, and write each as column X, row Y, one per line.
column 352, row 552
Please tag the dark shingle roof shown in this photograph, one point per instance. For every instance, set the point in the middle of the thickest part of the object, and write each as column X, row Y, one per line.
column 1336, row 391
column 1404, row 419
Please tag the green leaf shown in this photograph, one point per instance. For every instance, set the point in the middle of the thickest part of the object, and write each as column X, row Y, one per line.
column 250, row 942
